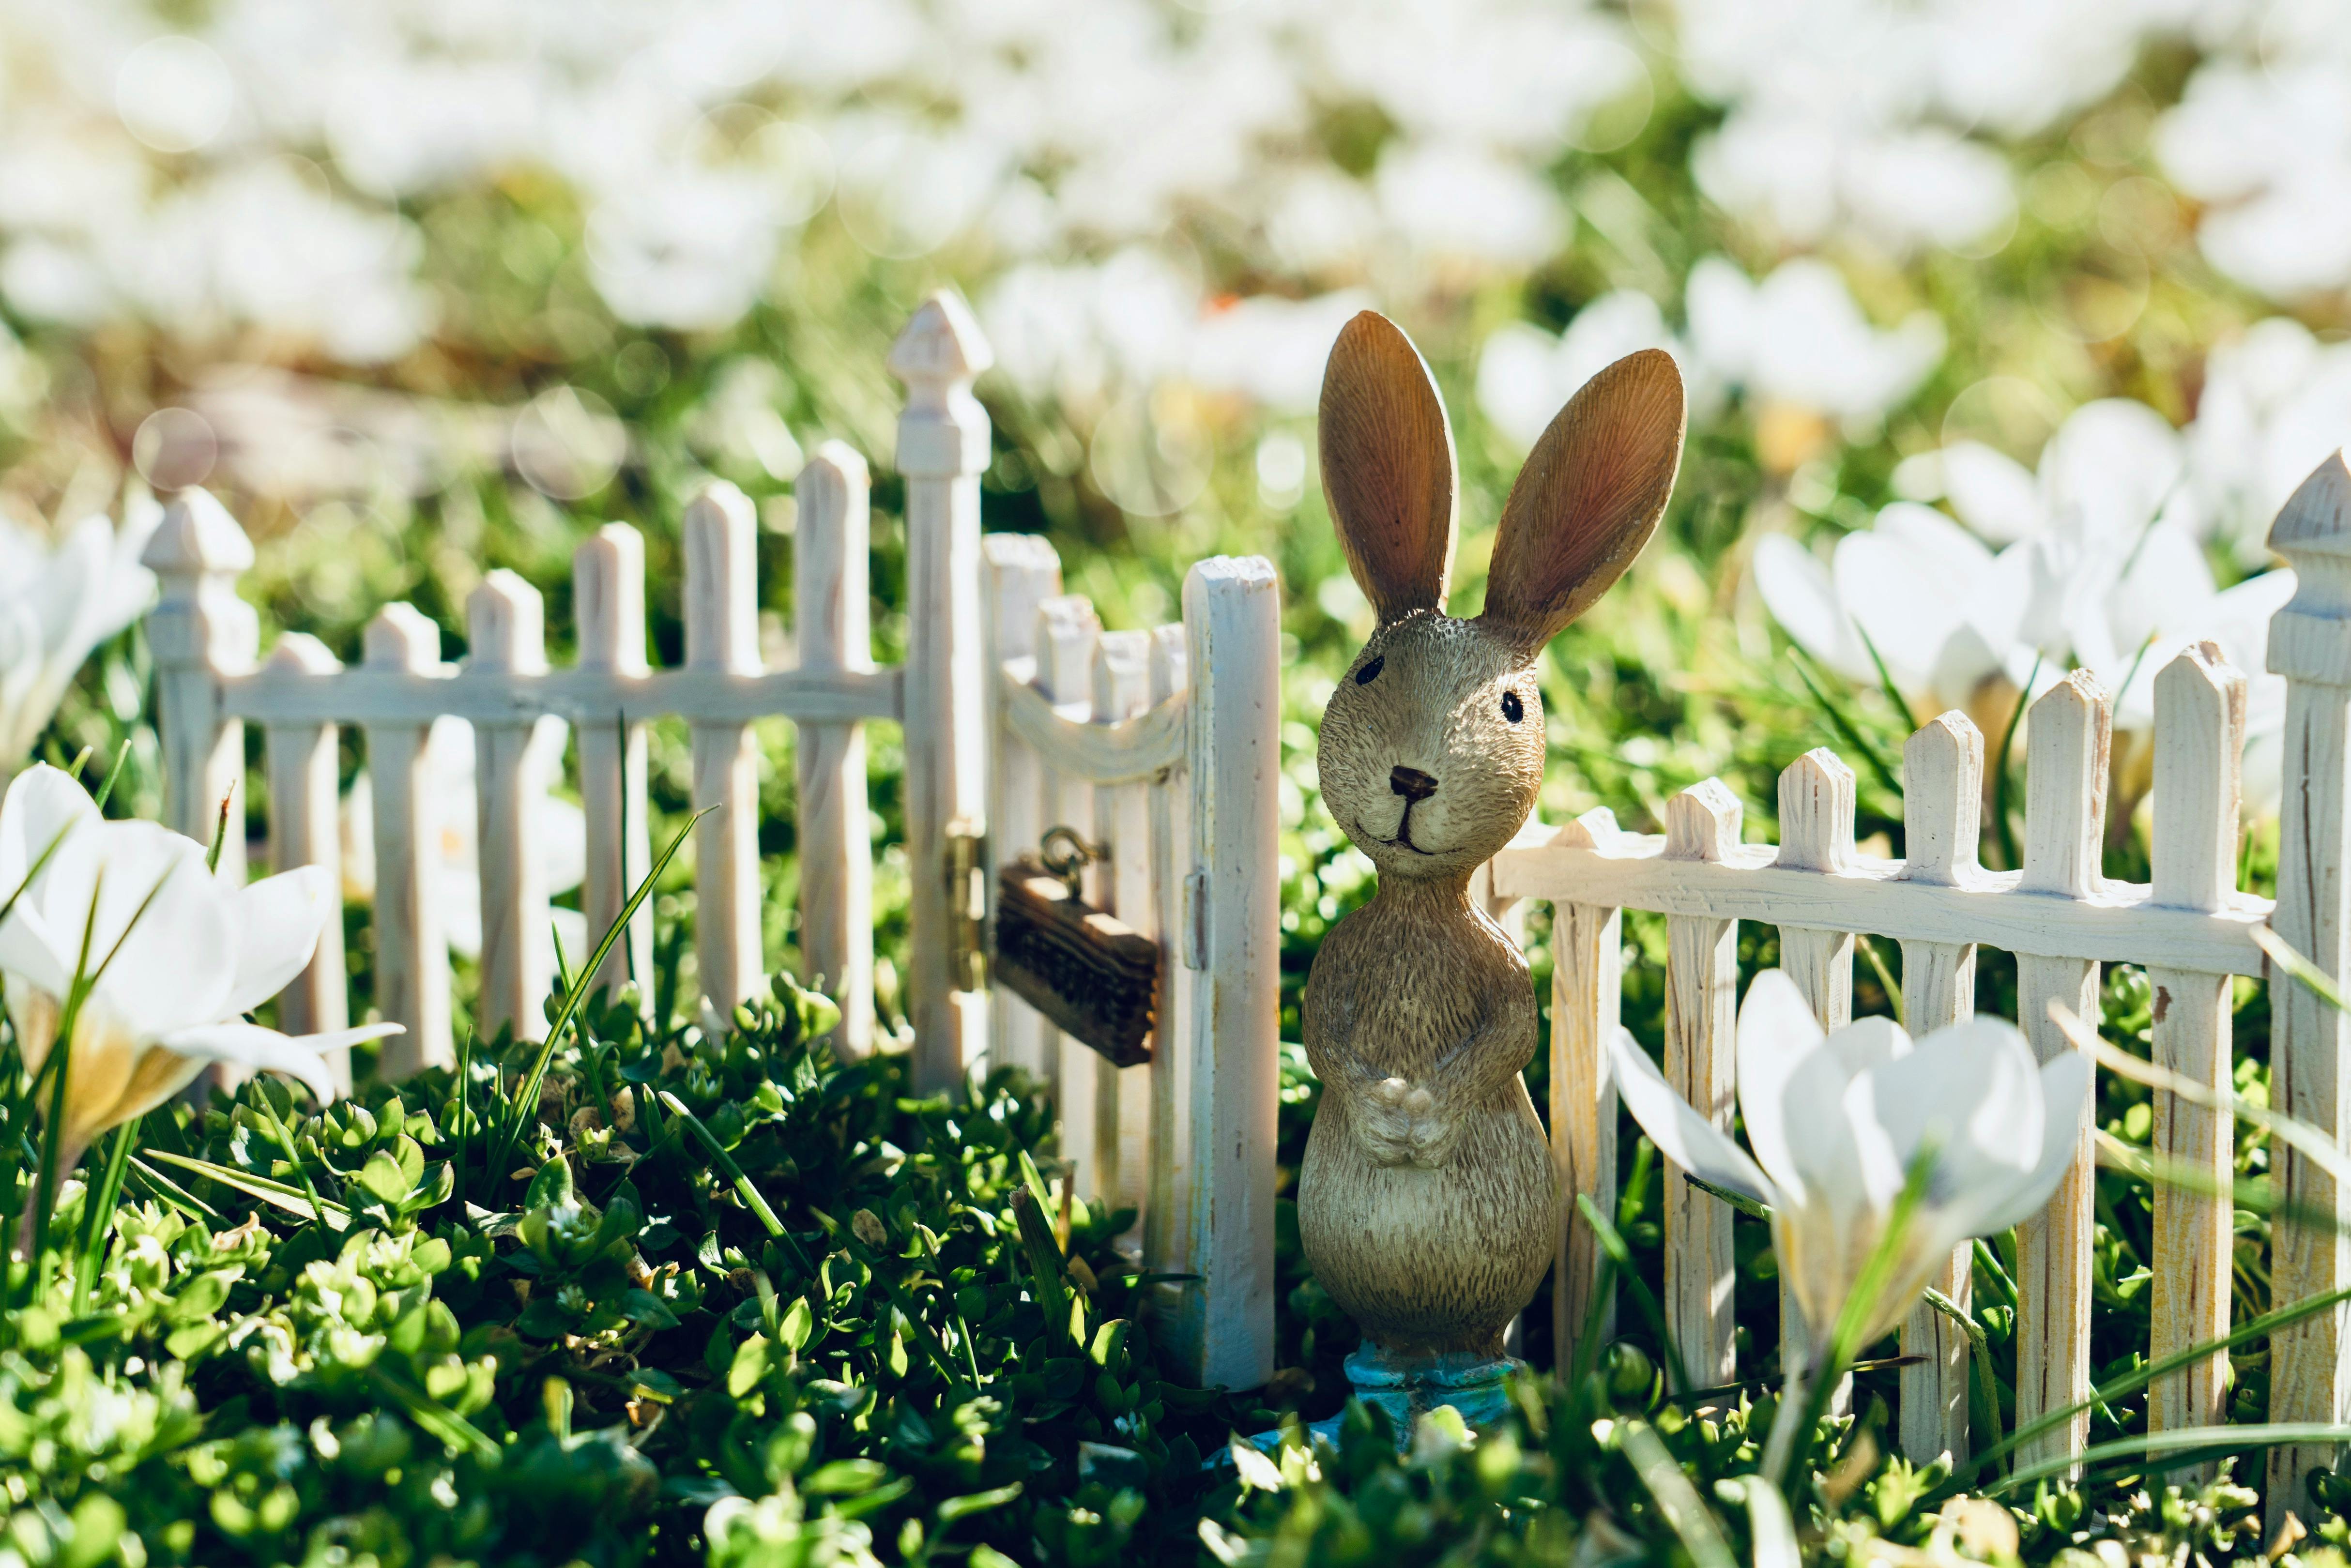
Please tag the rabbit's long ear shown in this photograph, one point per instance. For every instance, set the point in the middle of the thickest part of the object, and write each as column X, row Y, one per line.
column 1387, row 467
column 1588, row 499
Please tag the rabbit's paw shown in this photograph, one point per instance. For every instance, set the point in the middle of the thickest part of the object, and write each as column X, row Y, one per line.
column 1390, row 1110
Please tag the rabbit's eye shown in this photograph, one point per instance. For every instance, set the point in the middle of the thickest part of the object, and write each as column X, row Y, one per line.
column 1513, row 709
column 1371, row 672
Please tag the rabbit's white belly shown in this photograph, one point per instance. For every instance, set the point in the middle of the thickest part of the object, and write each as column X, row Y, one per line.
column 1432, row 1259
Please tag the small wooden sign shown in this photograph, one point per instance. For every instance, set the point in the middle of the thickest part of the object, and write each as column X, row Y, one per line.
column 1093, row 977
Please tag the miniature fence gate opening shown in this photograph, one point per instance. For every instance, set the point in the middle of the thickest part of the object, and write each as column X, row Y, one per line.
column 2063, row 919
column 1185, row 766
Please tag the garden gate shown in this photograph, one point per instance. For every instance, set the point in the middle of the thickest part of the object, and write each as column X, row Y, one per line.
column 1162, row 744
column 2062, row 918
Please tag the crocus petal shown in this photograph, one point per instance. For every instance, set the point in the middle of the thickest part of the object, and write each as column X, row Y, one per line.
column 1993, row 493
column 1681, row 1134
column 279, row 920
column 1776, row 1031
column 2064, row 1086
column 163, row 929
column 161, row 1074
column 43, row 804
column 259, row 1050
column 1796, row 589
column 29, row 950
column 1971, row 1092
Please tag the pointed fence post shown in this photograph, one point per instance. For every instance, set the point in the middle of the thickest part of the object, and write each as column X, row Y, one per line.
column 1816, row 811
column 505, row 629
column 2310, row 1042
column 201, row 631
column 943, row 448
column 1066, row 634
column 1942, row 805
column 411, row 942
column 1023, row 571
column 2199, row 739
column 1122, row 690
column 305, row 829
column 1702, row 823
column 607, row 593
column 2065, row 832
column 722, row 635
column 832, row 611
column 1230, row 936
column 1587, row 977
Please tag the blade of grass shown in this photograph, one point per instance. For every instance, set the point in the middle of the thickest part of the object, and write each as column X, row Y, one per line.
column 292, row 1199
column 2185, row 1439
column 1677, row 1499
column 1983, row 1384
column 98, row 1216
column 2322, row 1149
column 1848, row 731
column 2283, row 955
column 220, row 833
column 1885, row 980
column 172, row 1191
column 527, row 1099
column 2130, row 1381
column 106, row 791
column 2001, row 826
column 1613, row 1244
column 1885, row 675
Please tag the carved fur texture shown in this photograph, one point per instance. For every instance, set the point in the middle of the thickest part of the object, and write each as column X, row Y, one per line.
column 1428, row 1204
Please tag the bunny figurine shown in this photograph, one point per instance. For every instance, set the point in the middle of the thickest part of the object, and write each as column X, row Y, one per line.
column 1428, row 1206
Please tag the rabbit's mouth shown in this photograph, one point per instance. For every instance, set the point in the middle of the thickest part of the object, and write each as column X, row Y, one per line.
column 1403, row 840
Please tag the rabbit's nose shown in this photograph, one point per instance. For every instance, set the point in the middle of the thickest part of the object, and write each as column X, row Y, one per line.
column 1411, row 783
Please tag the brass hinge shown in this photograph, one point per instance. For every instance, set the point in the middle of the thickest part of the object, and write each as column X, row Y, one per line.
column 967, row 876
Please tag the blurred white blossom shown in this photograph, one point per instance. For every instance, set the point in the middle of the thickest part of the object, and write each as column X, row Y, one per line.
column 1798, row 337
column 59, row 598
column 1873, row 114
column 1525, row 375
column 2275, row 403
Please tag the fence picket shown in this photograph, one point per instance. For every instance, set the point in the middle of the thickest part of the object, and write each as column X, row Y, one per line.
column 1816, row 811
column 831, row 611
column 2064, row 825
column 2310, row 1042
column 1232, row 621
column 1167, row 1236
column 1942, row 803
column 305, row 807
column 722, row 634
column 2199, row 731
column 506, row 632
column 201, row 631
column 1586, row 1008
column 1702, row 823
column 1023, row 571
column 411, row 942
column 1086, row 1091
column 1122, row 689
column 608, row 595
column 943, row 447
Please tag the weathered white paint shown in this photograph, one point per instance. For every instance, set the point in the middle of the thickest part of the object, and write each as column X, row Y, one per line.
column 2310, row 1042
column 943, row 447
column 305, row 801
column 1702, row 824
column 412, row 943
column 608, row 598
column 832, row 609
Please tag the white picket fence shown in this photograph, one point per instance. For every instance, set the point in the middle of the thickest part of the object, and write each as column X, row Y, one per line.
column 2062, row 918
column 1178, row 777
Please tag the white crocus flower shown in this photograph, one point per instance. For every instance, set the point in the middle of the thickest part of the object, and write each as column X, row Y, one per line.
column 1798, row 337
column 57, row 603
column 178, row 957
column 1837, row 1122
column 1525, row 375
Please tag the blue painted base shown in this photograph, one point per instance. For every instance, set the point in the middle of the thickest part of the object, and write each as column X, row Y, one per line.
column 1409, row 1387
